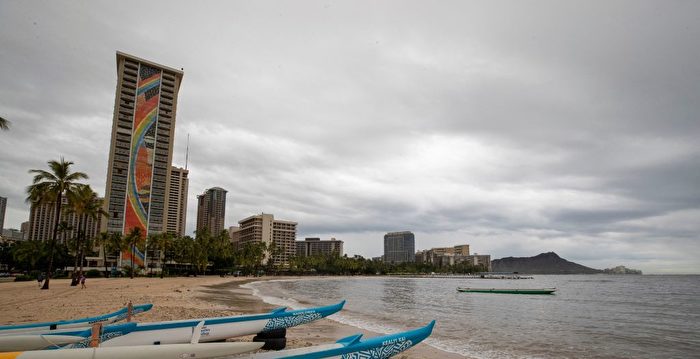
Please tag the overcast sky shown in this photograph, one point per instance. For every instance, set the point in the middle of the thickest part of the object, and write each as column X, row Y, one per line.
column 517, row 127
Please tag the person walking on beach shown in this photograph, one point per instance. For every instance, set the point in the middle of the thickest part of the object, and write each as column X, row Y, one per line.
column 82, row 281
column 40, row 279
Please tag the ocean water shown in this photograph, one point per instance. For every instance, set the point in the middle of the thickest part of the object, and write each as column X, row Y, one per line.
column 590, row 316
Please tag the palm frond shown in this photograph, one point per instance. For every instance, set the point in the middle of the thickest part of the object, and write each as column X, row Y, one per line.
column 4, row 124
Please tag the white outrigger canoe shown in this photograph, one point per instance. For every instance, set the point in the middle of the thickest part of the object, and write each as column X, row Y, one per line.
column 172, row 351
column 36, row 341
column 352, row 347
column 57, row 340
column 220, row 328
column 38, row 328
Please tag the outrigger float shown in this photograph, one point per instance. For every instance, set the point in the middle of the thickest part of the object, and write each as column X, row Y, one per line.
column 62, row 338
column 508, row 290
column 38, row 328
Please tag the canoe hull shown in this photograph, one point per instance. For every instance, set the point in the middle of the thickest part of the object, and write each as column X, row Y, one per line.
column 176, row 351
column 209, row 333
column 214, row 329
column 507, row 290
column 35, row 342
column 353, row 347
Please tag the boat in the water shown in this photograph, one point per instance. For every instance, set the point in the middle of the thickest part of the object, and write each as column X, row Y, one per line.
column 352, row 347
column 220, row 328
column 61, row 338
column 38, row 328
column 170, row 351
column 508, row 290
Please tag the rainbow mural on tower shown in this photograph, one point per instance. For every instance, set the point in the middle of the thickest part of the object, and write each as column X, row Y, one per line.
column 143, row 140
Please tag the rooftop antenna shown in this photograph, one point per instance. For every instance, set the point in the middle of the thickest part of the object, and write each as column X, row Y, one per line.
column 187, row 153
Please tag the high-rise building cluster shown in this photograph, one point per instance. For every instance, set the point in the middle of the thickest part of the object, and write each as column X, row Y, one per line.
column 446, row 256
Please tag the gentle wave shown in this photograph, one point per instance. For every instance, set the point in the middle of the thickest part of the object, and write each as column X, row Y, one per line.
column 590, row 316
column 449, row 346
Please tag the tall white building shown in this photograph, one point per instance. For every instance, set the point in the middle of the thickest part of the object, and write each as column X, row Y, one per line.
column 278, row 233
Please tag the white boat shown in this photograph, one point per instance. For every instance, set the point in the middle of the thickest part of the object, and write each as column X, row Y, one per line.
column 171, row 351
column 214, row 329
column 60, row 338
column 21, row 342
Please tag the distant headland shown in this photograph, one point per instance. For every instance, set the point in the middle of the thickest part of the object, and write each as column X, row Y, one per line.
column 551, row 263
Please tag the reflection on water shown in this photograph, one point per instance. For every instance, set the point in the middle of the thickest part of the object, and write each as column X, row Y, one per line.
column 591, row 316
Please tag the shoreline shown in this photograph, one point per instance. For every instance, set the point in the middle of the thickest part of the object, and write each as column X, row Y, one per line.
column 173, row 298
column 323, row 331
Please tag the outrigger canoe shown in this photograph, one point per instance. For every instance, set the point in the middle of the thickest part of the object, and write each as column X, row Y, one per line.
column 172, row 351
column 353, row 347
column 54, row 340
column 75, row 323
column 180, row 331
column 36, row 341
column 508, row 290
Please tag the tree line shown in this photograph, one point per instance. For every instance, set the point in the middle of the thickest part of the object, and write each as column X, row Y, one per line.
column 205, row 253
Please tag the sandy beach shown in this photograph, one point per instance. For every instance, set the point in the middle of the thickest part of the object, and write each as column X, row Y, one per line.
column 173, row 298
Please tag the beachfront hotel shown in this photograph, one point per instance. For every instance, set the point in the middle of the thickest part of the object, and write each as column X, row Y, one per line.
column 211, row 210
column 265, row 228
column 141, row 147
column 176, row 217
column 42, row 220
column 315, row 246
column 399, row 247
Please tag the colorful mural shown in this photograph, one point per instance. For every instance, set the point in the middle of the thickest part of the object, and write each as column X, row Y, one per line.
column 143, row 140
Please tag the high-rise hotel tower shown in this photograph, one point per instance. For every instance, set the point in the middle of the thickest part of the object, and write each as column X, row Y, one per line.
column 141, row 150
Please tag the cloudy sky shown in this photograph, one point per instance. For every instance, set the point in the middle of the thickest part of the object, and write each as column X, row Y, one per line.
column 516, row 127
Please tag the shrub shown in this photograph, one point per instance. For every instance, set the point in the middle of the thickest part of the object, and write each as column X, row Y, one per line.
column 93, row 273
column 23, row 278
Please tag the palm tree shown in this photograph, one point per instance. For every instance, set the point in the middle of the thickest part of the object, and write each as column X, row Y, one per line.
column 132, row 239
column 63, row 228
column 111, row 243
column 4, row 124
column 29, row 252
column 85, row 203
column 163, row 242
column 50, row 187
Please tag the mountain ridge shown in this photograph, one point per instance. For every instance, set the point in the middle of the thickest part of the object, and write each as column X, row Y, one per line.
column 543, row 263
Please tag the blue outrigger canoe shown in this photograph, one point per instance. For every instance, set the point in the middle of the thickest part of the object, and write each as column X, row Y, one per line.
column 353, row 347
column 214, row 329
column 39, row 328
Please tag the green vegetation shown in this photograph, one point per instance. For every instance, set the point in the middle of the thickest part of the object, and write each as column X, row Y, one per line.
column 50, row 187
column 336, row 265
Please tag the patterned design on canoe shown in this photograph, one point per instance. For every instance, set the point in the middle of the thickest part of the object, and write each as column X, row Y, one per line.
column 105, row 336
column 383, row 352
column 291, row 321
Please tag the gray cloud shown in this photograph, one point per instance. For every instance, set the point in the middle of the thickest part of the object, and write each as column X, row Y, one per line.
column 517, row 128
